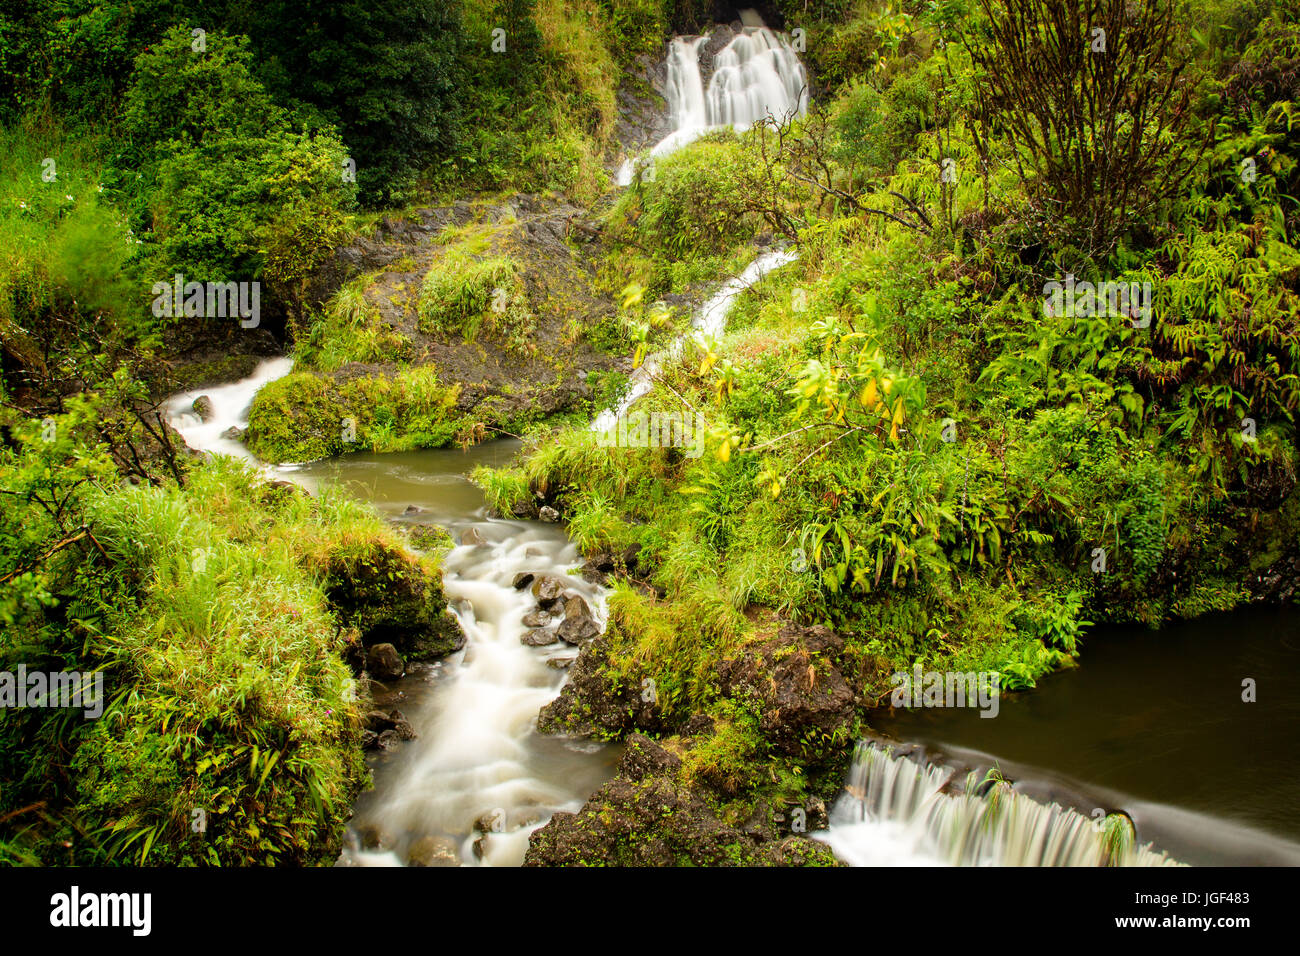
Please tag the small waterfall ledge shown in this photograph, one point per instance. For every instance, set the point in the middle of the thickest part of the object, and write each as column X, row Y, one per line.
column 903, row 811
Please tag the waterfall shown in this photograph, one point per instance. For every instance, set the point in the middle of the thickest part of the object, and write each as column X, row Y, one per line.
column 900, row 811
column 707, row 323
column 478, row 755
column 758, row 73
column 230, row 407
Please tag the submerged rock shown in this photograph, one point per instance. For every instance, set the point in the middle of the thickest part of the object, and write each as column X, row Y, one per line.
column 233, row 433
column 433, row 851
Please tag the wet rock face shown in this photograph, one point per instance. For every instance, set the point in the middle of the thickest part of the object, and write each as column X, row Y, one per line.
column 797, row 684
column 644, row 817
column 589, row 704
column 384, row 662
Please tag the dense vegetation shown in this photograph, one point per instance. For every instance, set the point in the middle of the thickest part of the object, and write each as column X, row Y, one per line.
column 905, row 441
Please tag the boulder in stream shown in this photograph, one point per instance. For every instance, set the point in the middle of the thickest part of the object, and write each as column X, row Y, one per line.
column 202, row 406
column 537, row 618
column 548, row 514
column 578, row 624
column 548, row 589
column 522, row 580
column 577, row 630
column 384, row 662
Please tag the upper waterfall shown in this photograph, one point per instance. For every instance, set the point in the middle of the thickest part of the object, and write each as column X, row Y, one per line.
column 756, row 75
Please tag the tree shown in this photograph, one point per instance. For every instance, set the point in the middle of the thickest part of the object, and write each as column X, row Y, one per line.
column 1092, row 96
column 386, row 74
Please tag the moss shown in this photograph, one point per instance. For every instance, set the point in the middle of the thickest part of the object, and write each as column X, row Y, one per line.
column 305, row 417
column 391, row 597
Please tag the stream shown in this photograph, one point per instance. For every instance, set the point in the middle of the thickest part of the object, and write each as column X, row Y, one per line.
column 1204, row 777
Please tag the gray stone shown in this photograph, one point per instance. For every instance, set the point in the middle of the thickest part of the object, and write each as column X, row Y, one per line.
column 538, row 637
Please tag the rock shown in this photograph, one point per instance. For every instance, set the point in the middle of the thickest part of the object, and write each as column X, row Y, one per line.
column 401, row 725
column 372, row 838
column 575, row 607
column 547, row 589
column 538, row 637
column 592, row 576
column 480, row 847
column 493, row 821
column 378, row 721
column 388, row 740
column 522, row 580
column 548, row 514
column 202, row 406
column 815, row 815
column 795, row 680
column 644, row 817
column 537, row 618
column 576, row 630
column 412, row 510
column 471, row 536
column 384, row 662
column 559, row 663
column 233, row 433
column 589, row 703
column 433, row 851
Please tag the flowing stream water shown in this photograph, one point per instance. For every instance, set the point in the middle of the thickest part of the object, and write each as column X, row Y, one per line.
column 1152, row 723
column 478, row 779
column 1202, row 775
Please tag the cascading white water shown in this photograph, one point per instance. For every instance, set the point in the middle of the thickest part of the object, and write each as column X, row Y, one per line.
column 230, row 406
column 478, row 756
column 477, row 751
column 708, row 322
column 895, row 812
column 756, row 75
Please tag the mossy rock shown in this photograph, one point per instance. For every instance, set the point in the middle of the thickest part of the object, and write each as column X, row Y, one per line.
column 392, row 597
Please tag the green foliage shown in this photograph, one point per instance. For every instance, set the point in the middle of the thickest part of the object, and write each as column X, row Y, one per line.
column 234, row 193
column 215, row 614
column 461, row 294
column 303, row 417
